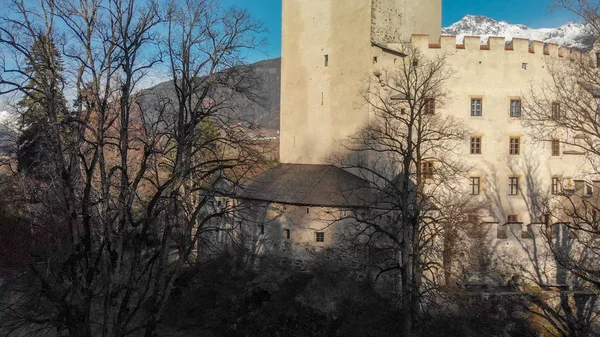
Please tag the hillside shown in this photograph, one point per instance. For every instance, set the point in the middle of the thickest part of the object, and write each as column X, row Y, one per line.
column 264, row 114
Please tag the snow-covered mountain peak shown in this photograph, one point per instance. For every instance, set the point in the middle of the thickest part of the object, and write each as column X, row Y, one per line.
column 573, row 35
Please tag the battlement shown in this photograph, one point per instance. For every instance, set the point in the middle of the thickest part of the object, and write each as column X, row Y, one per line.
column 495, row 44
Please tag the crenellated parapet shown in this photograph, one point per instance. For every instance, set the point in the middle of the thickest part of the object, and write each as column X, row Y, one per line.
column 495, row 44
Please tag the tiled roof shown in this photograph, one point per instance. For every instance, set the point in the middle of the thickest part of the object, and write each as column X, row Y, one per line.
column 310, row 185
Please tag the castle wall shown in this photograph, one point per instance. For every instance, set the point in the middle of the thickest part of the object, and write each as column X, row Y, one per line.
column 301, row 222
column 319, row 102
column 396, row 20
column 497, row 73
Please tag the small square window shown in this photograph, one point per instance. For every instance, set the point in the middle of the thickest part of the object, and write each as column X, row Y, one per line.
column 524, row 66
column 555, row 147
column 515, row 145
column 430, row 106
column 475, row 145
column 515, row 108
column 476, row 107
column 475, row 185
column 320, row 236
column 512, row 218
column 502, row 233
column 513, row 185
column 427, row 169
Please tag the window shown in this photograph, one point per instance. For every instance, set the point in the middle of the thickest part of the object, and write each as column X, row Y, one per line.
column 374, row 59
column 556, row 147
column 427, row 169
column 555, row 111
column 527, row 234
column 430, row 106
column 515, row 145
column 286, row 233
column 320, row 236
column 502, row 232
column 476, row 107
column 475, row 185
column 327, row 60
column 515, row 108
column 475, row 145
column 512, row 218
column 261, row 229
column 589, row 190
column 555, row 186
column 524, row 66
column 513, row 185
column 473, row 219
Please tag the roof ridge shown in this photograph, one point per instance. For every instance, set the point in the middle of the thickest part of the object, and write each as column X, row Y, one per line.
column 316, row 184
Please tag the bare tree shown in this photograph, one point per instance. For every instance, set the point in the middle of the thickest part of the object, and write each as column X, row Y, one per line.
column 408, row 153
column 133, row 175
column 563, row 113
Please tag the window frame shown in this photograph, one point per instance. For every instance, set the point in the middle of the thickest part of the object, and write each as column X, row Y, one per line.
column 589, row 190
column 429, row 106
column 475, row 183
column 427, row 169
column 320, row 237
column 476, row 142
column 514, row 146
column 513, row 111
column 514, row 220
column 474, row 107
column 555, row 111
column 513, row 185
column 555, row 186
column 555, row 147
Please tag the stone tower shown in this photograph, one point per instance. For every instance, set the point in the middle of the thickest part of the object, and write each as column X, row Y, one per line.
column 326, row 55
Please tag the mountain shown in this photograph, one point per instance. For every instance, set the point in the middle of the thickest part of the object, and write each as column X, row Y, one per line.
column 573, row 35
column 263, row 112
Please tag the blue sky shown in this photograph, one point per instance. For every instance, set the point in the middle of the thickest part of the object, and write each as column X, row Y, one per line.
column 532, row 13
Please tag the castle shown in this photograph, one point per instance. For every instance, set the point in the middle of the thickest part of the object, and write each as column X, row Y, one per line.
column 330, row 46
